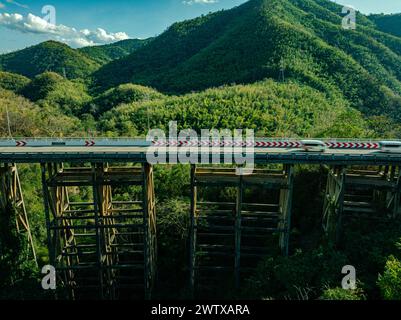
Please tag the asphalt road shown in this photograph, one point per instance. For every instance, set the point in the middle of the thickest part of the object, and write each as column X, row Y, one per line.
column 139, row 150
column 139, row 154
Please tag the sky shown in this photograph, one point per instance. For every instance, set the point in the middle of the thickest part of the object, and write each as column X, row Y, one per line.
column 92, row 22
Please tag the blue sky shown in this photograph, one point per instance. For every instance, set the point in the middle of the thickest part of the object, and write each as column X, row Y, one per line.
column 117, row 19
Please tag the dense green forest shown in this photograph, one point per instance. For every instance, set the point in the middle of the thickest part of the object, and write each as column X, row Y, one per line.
column 306, row 37
column 389, row 23
column 221, row 70
column 53, row 56
column 48, row 56
column 109, row 52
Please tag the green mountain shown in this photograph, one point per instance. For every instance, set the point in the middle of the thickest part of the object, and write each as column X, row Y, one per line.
column 27, row 119
column 270, row 108
column 13, row 82
column 123, row 94
column 390, row 23
column 109, row 52
column 53, row 56
column 50, row 56
column 51, row 89
column 303, row 38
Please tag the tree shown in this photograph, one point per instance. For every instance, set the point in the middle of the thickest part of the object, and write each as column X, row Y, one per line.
column 390, row 281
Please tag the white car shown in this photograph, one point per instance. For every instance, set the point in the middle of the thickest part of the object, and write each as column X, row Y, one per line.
column 313, row 146
column 390, row 146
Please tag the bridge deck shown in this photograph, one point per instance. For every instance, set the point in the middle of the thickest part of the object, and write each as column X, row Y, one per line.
column 138, row 154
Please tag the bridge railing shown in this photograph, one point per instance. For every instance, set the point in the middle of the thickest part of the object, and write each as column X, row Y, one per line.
column 334, row 143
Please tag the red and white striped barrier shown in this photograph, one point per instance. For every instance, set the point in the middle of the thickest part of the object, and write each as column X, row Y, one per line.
column 277, row 144
column 262, row 144
column 140, row 142
column 353, row 145
column 202, row 143
column 74, row 142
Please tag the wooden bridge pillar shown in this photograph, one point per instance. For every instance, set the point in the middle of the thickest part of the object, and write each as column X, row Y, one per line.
column 358, row 193
column 228, row 238
column 393, row 195
column 397, row 198
column 101, row 229
column 149, row 211
column 333, row 202
column 12, row 201
column 286, row 209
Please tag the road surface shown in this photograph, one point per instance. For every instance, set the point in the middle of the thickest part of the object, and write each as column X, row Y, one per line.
column 138, row 154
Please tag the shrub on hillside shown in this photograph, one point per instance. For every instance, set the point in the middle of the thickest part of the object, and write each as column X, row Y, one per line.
column 299, row 276
column 125, row 93
column 342, row 294
column 12, row 81
column 390, row 281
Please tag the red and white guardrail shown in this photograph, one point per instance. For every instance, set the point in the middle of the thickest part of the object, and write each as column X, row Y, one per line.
column 263, row 144
column 353, row 145
column 72, row 142
column 138, row 142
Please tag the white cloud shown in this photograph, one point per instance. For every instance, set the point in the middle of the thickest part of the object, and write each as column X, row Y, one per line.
column 76, row 38
column 18, row 4
column 191, row 2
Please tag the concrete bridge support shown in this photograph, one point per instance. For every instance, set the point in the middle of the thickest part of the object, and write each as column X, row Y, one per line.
column 12, row 200
column 228, row 238
column 101, row 224
column 360, row 193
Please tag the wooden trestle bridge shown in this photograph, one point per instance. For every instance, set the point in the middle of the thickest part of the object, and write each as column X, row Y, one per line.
column 106, row 247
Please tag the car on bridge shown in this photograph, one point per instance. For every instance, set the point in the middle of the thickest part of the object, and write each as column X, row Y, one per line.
column 313, row 146
column 390, row 146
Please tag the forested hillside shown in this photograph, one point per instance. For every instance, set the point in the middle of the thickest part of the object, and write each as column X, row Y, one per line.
column 251, row 42
column 109, row 52
column 301, row 40
column 48, row 56
column 271, row 109
column 389, row 23
column 30, row 120
column 12, row 81
column 58, row 57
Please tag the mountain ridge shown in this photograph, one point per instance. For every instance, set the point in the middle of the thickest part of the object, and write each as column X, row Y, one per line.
column 389, row 23
column 54, row 56
column 116, row 50
column 250, row 42
column 48, row 56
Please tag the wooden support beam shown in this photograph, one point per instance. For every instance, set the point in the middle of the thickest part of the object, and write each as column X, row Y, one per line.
column 238, row 217
column 286, row 210
column 397, row 193
column 98, row 230
column 11, row 198
column 149, row 229
column 333, row 203
column 192, row 234
column 99, row 244
column 227, row 239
